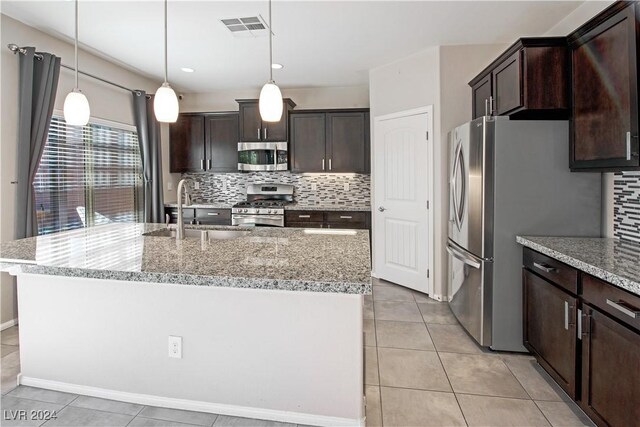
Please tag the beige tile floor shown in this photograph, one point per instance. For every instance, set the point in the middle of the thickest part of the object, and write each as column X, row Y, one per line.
column 421, row 369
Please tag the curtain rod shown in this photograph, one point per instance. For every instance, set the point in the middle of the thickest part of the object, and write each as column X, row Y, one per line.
column 17, row 49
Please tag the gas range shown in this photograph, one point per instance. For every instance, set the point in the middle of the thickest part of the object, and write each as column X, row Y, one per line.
column 264, row 205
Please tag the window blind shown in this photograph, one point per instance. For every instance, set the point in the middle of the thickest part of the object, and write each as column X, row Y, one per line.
column 87, row 176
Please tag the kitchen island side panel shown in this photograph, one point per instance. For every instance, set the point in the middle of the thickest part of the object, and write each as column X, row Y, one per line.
column 282, row 355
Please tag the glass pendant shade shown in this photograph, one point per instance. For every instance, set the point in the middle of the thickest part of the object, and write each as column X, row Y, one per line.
column 165, row 104
column 270, row 103
column 76, row 108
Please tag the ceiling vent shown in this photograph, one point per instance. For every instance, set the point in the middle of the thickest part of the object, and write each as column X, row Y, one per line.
column 249, row 27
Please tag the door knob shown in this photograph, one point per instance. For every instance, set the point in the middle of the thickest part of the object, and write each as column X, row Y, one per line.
column 382, row 209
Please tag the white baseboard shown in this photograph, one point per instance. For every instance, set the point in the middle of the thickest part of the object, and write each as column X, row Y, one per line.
column 193, row 405
column 8, row 324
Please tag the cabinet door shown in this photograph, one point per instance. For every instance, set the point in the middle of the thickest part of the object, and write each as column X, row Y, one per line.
column 610, row 371
column 347, row 142
column 209, row 216
column 605, row 101
column 222, row 142
column 507, row 85
column 307, row 145
column 481, row 93
column 550, row 329
column 186, row 144
column 250, row 122
column 276, row 131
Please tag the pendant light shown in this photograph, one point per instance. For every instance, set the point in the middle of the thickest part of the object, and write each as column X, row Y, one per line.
column 76, row 106
column 270, row 103
column 165, row 103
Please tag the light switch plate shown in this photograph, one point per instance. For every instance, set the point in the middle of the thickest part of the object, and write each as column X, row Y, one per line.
column 314, row 186
column 196, row 185
column 170, row 185
column 346, row 186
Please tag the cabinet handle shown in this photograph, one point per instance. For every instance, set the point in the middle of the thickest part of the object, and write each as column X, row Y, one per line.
column 265, row 133
column 628, row 145
column 345, row 217
column 202, row 164
column 213, row 213
column 304, row 216
column 491, row 109
column 579, row 324
column 329, row 164
column 566, row 315
column 259, row 133
column 486, row 107
column 544, row 267
column 322, row 164
column 631, row 311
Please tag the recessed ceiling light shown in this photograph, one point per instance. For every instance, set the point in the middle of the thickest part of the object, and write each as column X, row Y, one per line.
column 277, row 66
column 187, row 69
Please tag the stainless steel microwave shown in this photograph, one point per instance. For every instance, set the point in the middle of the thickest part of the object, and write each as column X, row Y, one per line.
column 263, row 156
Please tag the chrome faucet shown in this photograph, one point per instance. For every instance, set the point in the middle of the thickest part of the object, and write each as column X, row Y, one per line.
column 180, row 225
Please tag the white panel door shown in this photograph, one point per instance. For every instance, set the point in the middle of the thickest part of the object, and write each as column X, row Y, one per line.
column 401, row 194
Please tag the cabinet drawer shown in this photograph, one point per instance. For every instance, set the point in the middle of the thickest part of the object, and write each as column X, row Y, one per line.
column 348, row 225
column 346, row 217
column 303, row 216
column 304, row 224
column 614, row 301
column 213, row 216
column 561, row 274
column 188, row 214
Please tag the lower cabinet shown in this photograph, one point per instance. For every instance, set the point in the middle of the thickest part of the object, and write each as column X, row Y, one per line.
column 200, row 216
column 589, row 342
column 328, row 219
column 550, row 329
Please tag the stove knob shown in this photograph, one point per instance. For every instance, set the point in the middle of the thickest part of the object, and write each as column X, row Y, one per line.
column 269, row 211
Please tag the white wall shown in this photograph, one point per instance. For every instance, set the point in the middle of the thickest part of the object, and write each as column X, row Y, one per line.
column 437, row 76
column 575, row 19
column 107, row 102
column 305, row 98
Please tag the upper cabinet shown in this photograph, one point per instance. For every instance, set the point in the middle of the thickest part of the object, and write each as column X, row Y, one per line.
column 333, row 141
column 253, row 129
column 530, row 80
column 604, row 77
column 204, row 143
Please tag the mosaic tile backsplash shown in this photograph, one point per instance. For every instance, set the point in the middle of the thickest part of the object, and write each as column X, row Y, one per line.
column 626, row 206
column 330, row 188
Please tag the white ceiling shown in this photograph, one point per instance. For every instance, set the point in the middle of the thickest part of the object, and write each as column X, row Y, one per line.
column 320, row 43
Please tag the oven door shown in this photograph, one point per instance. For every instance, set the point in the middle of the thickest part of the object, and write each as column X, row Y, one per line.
column 262, row 156
column 249, row 220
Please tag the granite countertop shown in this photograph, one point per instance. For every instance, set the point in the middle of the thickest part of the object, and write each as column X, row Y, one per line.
column 292, row 207
column 266, row 258
column 615, row 261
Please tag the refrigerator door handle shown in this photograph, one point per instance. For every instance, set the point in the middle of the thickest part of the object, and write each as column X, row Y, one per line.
column 465, row 259
column 457, row 209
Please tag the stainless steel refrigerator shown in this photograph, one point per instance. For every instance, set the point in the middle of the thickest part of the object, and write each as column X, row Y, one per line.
column 508, row 177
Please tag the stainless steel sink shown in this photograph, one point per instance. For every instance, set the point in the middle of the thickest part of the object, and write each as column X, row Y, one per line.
column 190, row 233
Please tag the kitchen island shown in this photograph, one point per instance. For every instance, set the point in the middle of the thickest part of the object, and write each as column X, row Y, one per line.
column 270, row 321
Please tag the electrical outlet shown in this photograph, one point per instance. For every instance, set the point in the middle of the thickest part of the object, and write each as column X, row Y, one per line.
column 170, row 185
column 175, row 347
column 314, row 186
column 346, row 186
column 196, row 185
column 224, row 185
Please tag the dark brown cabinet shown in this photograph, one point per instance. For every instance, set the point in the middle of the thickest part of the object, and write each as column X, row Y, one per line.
column 328, row 219
column 530, row 80
column 186, row 144
column 204, row 142
column 604, row 124
column 585, row 333
column 200, row 216
column 334, row 141
column 253, row 129
column 550, row 329
column 610, row 371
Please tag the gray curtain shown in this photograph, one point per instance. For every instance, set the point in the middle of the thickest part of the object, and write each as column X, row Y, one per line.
column 150, row 149
column 37, row 94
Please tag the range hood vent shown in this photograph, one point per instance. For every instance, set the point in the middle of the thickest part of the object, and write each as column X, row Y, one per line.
column 248, row 27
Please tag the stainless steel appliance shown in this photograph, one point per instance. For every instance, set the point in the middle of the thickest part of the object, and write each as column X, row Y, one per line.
column 263, row 156
column 264, row 206
column 508, row 177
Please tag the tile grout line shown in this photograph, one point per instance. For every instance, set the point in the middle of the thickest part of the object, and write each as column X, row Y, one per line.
column 455, row 396
column 377, row 361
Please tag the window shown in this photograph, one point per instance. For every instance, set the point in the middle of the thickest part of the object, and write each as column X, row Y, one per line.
column 87, row 176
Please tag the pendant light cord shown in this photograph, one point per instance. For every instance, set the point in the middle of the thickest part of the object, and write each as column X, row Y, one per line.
column 270, row 46
column 166, row 66
column 76, row 45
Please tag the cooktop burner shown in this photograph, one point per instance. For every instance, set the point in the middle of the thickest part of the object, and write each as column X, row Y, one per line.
column 262, row 204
